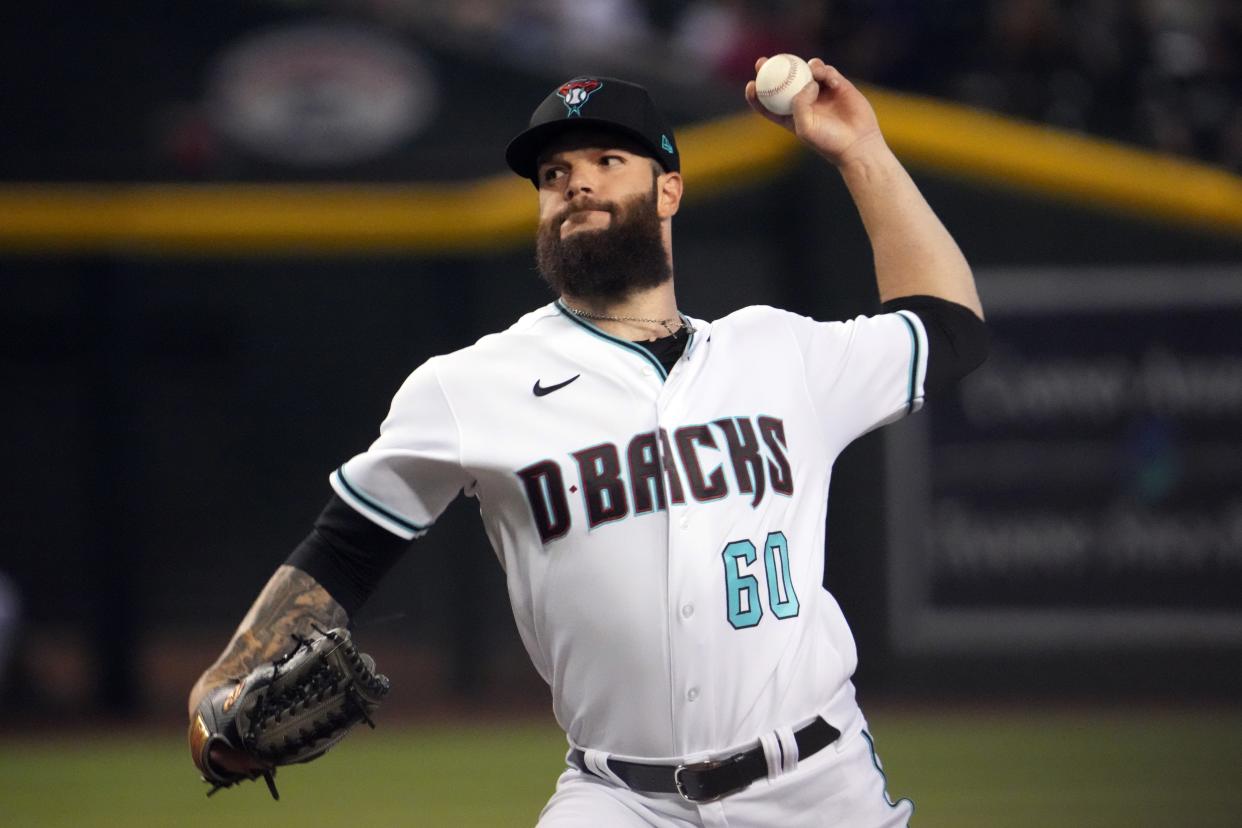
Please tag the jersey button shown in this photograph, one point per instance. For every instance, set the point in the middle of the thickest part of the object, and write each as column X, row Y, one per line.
column 685, row 520
column 692, row 694
column 687, row 610
column 647, row 371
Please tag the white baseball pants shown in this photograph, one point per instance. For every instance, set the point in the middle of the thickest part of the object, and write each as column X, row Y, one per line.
column 841, row 786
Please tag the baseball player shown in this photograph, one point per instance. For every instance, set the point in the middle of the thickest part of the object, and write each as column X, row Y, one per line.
column 655, row 485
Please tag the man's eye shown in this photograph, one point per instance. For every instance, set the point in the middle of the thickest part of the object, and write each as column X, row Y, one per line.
column 552, row 173
column 611, row 160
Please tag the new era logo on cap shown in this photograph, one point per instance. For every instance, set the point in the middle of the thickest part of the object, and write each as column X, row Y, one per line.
column 607, row 104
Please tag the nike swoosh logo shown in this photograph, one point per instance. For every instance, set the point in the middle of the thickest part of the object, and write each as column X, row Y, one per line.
column 541, row 391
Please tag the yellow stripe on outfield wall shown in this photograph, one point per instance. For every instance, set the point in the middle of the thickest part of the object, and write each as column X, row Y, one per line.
column 251, row 218
column 498, row 212
column 1067, row 166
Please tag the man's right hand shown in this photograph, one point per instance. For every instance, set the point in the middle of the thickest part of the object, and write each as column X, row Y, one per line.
column 830, row 116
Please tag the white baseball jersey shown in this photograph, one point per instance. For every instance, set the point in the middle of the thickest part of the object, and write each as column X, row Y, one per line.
column 662, row 535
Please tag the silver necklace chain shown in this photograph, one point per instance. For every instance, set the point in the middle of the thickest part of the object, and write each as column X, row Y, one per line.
column 667, row 323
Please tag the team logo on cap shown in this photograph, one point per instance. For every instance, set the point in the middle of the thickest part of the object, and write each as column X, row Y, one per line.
column 576, row 92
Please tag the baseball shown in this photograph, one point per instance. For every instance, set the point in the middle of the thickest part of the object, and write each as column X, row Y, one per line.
column 779, row 79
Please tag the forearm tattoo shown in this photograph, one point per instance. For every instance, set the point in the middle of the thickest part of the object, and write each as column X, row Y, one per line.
column 292, row 603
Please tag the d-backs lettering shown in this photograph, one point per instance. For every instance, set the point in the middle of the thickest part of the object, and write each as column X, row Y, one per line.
column 644, row 477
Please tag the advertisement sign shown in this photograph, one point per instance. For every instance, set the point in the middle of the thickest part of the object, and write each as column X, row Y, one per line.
column 320, row 94
column 1083, row 488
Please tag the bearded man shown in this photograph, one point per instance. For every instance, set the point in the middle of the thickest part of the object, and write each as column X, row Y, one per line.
column 655, row 485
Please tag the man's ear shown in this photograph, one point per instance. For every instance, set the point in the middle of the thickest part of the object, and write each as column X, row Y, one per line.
column 669, row 188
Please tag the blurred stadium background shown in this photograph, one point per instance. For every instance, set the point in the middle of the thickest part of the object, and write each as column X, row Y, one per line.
column 228, row 232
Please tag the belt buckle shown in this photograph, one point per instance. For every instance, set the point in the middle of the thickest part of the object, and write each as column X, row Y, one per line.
column 710, row 764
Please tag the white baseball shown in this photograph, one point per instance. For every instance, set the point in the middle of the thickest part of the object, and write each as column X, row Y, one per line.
column 779, row 79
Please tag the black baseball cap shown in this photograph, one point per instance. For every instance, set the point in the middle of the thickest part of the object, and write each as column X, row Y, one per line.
column 594, row 102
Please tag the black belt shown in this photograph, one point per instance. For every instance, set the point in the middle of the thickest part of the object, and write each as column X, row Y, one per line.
column 715, row 778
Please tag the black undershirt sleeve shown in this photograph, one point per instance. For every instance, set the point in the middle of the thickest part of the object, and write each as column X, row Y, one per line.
column 347, row 554
column 957, row 339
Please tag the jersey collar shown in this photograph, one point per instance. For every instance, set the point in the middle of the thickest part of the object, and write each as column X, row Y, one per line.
column 633, row 347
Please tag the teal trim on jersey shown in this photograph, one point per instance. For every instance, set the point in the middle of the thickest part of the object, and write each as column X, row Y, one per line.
column 624, row 343
column 915, row 356
column 875, row 760
column 377, row 507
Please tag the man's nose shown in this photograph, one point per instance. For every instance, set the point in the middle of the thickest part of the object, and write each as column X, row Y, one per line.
column 580, row 182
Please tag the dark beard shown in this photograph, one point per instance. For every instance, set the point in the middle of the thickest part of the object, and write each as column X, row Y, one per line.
column 609, row 264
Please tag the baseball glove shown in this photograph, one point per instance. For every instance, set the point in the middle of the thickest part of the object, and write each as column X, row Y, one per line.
column 289, row 711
